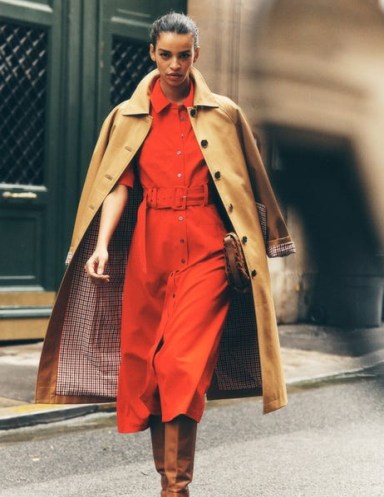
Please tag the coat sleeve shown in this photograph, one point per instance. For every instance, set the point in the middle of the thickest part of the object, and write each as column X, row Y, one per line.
column 98, row 153
column 278, row 240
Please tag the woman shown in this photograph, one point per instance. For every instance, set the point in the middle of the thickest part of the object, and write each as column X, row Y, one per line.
column 191, row 156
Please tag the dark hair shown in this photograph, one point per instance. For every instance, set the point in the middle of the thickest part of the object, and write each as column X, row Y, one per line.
column 174, row 23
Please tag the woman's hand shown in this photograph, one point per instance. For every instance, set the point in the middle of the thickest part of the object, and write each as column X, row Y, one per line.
column 95, row 267
column 111, row 212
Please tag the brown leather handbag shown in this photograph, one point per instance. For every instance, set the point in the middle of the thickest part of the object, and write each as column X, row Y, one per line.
column 235, row 265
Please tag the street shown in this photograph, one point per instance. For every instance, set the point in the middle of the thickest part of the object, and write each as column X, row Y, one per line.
column 327, row 442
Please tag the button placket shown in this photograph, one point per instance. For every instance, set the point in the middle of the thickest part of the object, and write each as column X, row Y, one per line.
column 181, row 234
column 182, row 116
column 184, row 247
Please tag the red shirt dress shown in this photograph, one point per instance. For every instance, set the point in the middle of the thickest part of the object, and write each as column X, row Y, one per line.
column 175, row 297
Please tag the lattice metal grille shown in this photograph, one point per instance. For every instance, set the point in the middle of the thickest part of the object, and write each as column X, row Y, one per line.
column 23, row 88
column 130, row 63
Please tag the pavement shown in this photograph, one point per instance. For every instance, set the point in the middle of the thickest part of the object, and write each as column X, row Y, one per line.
column 311, row 355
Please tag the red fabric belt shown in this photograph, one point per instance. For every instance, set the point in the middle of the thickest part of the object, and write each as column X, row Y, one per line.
column 178, row 197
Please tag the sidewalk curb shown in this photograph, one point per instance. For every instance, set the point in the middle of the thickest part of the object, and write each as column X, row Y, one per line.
column 331, row 377
column 27, row 415
column 368, row 363
column 34, row 414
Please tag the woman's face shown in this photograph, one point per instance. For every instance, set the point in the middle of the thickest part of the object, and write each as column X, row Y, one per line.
column 174, row 55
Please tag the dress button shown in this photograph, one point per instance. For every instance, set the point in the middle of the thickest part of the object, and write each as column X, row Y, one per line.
column 182, row 261
column 193, row 112
column 253, row 273
column 217, row 174
column 181, row 218
column 182, row 240
column 178, row 152
column 179, row 175
column 230, row 207
column 244, row 239
column 204, row 143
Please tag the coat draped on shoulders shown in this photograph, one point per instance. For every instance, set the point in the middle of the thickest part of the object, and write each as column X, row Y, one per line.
column 81, row 353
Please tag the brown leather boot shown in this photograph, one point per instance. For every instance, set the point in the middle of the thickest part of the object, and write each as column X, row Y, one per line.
column 180, row 442
column 157, row 429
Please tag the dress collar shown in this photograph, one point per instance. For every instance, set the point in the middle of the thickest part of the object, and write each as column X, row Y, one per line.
column 139, row 103
column 159, row 101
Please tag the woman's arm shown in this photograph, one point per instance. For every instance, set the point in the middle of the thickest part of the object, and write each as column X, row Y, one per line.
column 113, row 207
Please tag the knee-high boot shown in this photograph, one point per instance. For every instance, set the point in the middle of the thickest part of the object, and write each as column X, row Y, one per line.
column 157, row 429
column 180, row 442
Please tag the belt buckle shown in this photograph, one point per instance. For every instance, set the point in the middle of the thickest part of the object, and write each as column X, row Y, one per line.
column 179, row 202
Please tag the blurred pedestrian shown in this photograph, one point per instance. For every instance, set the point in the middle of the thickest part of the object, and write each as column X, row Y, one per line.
column 193, row 158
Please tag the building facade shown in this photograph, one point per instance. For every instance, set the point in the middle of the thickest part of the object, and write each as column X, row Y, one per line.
column 65, row 63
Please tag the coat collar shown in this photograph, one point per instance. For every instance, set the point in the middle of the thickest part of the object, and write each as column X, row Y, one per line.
column 139, row 103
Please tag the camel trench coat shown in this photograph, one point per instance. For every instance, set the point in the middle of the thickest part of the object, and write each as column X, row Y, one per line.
column 80, row 357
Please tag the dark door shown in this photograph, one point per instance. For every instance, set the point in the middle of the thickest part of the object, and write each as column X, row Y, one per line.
column 29, row 84
column 63, row 65
column 30, row 59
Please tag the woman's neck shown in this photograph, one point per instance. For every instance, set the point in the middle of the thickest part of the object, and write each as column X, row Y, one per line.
column 177, row 94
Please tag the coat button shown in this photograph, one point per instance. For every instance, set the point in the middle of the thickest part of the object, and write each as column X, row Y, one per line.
column 253, row 273
column 244, row 239
column 204, row 143
column 217, row 174
column 193, row 112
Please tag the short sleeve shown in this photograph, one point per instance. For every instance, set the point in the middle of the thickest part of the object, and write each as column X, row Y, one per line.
column 127, row 178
